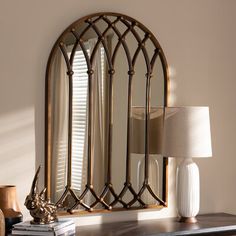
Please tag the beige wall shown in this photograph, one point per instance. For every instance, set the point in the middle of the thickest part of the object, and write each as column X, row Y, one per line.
column 198, row 38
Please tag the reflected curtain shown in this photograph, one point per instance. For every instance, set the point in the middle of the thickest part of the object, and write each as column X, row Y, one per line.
column 99, row 117
column 59, row 103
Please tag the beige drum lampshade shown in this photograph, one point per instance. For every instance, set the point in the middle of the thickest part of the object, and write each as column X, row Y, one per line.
column 187, row 132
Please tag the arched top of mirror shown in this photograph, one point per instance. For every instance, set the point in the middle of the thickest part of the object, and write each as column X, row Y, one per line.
column 121, row 27
column 134, row 85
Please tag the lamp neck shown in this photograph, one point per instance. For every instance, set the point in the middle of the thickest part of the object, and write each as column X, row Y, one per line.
column 186, row 161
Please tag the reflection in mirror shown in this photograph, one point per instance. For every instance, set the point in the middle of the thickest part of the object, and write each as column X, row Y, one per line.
column 138, row 150
column 106, row 89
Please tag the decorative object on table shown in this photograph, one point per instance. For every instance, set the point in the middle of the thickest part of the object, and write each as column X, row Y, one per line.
column 61, row 227
column 9, row 206
column 42, row 211
column 155, row 145
column 2, row 223
column 187, row 135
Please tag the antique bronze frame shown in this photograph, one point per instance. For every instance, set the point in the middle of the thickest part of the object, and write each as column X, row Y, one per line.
column 130, row 23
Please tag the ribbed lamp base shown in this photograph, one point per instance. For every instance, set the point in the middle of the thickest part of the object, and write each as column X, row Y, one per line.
column 188, row 194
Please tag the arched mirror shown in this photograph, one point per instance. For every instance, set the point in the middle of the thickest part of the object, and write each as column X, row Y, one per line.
column 106, row 86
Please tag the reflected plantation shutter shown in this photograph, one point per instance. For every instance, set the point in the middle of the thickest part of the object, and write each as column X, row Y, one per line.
column 80, row 90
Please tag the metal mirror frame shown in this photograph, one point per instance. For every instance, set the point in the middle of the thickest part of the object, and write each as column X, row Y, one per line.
column 130, row 23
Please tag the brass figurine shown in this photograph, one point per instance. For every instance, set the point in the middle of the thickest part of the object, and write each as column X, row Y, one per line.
column 42, row 211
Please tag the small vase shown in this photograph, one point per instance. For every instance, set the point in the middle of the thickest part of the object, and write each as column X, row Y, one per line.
column 2, row 224
column 9, row 206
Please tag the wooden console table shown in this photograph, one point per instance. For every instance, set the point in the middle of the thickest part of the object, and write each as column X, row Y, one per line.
column 210, row 224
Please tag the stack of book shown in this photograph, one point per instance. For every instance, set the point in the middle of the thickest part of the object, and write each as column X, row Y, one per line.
column 64, row 227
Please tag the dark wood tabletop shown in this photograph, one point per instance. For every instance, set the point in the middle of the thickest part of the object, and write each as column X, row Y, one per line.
column 209, row 224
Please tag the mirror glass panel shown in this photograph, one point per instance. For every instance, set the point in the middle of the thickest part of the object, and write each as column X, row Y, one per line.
column 106, row 89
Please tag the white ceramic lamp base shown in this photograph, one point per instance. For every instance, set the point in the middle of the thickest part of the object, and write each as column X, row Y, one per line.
column 188, row 191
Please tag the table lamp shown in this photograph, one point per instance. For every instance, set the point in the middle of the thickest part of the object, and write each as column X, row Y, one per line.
column 187, row 135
